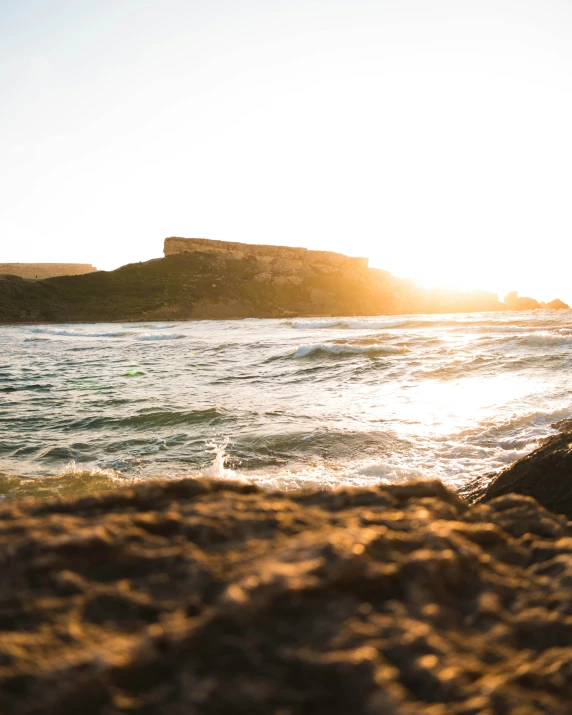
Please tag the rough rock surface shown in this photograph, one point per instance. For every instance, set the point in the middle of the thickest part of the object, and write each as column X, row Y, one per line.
column 279, row 260
column 545, row 474
column 207, row 597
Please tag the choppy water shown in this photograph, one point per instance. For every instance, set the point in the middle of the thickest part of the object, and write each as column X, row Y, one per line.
column 281, row 403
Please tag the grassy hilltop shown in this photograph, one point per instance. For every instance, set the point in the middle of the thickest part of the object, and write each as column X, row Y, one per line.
column 202, row 285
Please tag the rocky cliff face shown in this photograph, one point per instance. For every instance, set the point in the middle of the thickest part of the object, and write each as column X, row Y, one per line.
column 276, row 262
column 45, row 270
column 202, row 284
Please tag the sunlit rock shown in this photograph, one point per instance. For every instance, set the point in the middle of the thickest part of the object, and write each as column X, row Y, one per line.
column 204, row 596
column 515, row 302
column 546, row 474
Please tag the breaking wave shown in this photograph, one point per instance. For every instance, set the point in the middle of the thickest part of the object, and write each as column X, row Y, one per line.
column 346, row 324
column 169, row 336
column 153, row 419
column 70, row 333
column 348, row 349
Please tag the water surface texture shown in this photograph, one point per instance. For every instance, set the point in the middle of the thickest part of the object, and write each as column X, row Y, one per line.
column 281, row 403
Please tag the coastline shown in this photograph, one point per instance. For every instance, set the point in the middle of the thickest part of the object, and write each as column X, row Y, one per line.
column 207, row 282
column 281, row 317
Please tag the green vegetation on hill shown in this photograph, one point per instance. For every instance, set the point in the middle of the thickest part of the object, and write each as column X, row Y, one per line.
column 183, row 286
column 209, row 285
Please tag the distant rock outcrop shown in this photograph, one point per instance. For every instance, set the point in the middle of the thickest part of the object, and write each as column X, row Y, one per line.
column 45, row 270
column 514, row 302
column 556, row 304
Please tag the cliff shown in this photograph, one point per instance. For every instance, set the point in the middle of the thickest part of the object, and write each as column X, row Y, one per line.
column 45, row 270
column 276, row 262
column 202, row 279
column 200, row 284
column 212, row 597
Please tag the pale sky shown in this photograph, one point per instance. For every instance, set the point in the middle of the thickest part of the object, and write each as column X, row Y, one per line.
column 434, row 137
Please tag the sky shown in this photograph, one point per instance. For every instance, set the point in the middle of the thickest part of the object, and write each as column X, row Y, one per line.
column 434, row 138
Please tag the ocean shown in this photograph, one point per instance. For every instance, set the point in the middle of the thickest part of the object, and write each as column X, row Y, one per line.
column 281, row 403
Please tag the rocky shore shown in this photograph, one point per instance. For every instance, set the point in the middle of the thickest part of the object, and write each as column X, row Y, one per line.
column 545, row 474
column 204, row 596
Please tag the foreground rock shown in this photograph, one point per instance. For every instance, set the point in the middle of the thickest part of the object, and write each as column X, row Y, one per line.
column 546, row 474
column 211, row 597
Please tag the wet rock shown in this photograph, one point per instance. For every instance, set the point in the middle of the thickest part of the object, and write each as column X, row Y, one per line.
column 545, row 475
column 211, row 597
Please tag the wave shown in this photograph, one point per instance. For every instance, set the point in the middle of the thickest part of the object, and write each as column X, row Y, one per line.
column 344, row 349
column 151, row 326
column 154, row 418
column 170, row 336
column 493, row 324
column 346, row 324
column 537, row 339
column 20, row 388
column 376, row 325
column 315, row 324
column 76, row 333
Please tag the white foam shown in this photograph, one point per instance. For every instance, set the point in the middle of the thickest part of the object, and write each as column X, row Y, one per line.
column 347, row 324
column 316, row 324
column 217, row 470
column 542, row 339
column 170, row 336
column 68, row 333
column 374, row 325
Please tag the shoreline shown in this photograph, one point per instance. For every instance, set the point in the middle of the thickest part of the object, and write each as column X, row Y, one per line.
column 284, row 317
column 222, row 282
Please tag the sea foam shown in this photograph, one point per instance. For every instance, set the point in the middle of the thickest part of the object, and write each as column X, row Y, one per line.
column 347, row 324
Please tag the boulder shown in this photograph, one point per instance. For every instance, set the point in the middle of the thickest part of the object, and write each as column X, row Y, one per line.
column 546, row 474
column 557, row 304
column 515, row 302
column 208, row 597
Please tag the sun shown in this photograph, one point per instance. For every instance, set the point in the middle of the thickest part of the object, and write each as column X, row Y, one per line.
column 442, row 268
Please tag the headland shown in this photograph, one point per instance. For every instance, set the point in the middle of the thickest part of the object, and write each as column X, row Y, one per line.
column 204, row 279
